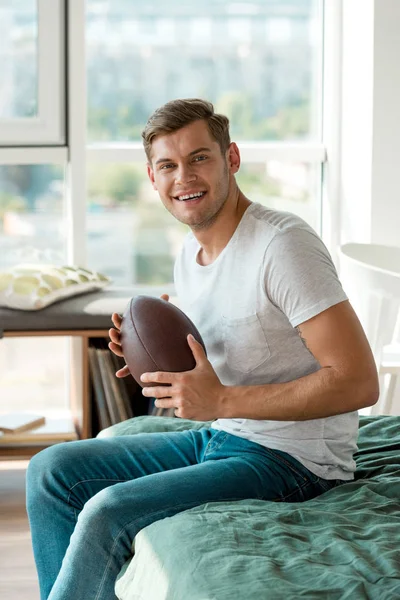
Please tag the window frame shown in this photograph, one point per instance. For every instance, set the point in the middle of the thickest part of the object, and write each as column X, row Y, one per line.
column 258, row 152
column 76, row 153
column 48, row 127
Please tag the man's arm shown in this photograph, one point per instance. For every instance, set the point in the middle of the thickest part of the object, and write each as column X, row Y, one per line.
column 347, row 380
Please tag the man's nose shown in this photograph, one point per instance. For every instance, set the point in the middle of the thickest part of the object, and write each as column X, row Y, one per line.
column 185, row 174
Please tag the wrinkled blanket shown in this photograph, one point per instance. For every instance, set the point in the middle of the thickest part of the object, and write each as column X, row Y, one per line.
column 343, row 545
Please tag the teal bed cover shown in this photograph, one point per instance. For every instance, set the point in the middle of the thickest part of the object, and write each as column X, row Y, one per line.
column 343, row 545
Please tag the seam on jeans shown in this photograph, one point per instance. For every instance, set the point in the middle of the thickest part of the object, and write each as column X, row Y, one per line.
column 327, row 484
column 293, row 492
column 288, row 464
column 304, row 485
column 95, row 479
column 87, row 481
column 121, row 531
column 217, row 446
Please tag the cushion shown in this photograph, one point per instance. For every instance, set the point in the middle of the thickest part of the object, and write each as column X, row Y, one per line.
column 32, row 287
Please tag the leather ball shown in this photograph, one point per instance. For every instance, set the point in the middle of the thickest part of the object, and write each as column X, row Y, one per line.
column 154, row 337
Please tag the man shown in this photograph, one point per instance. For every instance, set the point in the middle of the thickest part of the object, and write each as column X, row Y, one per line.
column 288, row 367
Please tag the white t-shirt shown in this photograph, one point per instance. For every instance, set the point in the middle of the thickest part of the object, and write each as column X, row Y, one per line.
column 274, row 273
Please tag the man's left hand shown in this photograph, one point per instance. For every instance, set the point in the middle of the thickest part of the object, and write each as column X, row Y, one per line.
column 195, row 394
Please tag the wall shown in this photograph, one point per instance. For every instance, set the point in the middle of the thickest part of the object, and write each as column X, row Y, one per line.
column 370, row 133
column 370, row 150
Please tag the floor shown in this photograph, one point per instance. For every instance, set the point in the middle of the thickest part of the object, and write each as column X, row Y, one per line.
column 18, row 580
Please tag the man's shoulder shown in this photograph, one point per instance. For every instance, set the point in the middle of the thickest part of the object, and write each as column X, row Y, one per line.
column 269, row 223
column 278, row 220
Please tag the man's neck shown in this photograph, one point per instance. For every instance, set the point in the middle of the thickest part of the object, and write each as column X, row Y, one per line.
column 214, row 239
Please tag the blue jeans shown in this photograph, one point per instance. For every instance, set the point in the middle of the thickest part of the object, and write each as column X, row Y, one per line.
column 87, row 500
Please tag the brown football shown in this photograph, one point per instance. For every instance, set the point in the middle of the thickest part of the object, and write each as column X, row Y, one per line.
column 153, row 337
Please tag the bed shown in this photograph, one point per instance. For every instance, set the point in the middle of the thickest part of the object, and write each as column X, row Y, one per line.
column 343, row 545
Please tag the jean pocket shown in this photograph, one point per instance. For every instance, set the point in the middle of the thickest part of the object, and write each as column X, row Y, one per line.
column 245, row 344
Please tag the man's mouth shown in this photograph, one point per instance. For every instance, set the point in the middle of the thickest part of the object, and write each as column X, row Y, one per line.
column 188, row 197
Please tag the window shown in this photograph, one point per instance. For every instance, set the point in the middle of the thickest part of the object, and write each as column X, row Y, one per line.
column 247, row 52
column 257, row 62
column 32, row 214
column 32, row 73
column 18, row 60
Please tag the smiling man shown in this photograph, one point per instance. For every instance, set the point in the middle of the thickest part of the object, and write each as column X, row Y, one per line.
column 194, row 183
column 288, row 367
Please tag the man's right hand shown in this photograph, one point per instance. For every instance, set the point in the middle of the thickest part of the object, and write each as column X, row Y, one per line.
column 115, row 337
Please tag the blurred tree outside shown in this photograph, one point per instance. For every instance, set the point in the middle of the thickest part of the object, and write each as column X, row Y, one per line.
column 29, row 182
column 10, row 203
column 290, row 122
column 124, row 119
column 113, row 184
column 254, row 184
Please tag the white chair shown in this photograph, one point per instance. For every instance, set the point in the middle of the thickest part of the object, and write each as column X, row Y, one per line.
column 370, row 274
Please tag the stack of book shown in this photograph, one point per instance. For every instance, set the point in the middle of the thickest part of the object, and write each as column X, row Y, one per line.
column 115, row 399
column 112, row 397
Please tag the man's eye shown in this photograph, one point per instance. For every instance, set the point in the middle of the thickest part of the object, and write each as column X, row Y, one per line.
column 200, row 157
column 166, row 166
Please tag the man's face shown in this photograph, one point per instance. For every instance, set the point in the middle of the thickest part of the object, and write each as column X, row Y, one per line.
column 191, row 175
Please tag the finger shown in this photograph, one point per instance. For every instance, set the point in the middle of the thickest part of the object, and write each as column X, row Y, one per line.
column 155, row 392
column 117, row 320
column 115, row 336
column 164, row 403
column 123, row 372
column 197, row 350
column 164, row 297
column 158, row 377
column 116, row 348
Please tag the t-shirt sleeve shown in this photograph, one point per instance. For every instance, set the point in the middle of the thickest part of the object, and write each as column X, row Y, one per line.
column 300, row 277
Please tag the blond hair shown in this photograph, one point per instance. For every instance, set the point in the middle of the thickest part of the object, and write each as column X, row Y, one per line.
column 178, row 113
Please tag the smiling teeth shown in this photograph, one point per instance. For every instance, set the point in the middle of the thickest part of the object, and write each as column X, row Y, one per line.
column 190, row 196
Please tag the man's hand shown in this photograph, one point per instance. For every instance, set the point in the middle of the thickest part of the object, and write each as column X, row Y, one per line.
column 115, row 344
column 196, row 394
column 115, row 337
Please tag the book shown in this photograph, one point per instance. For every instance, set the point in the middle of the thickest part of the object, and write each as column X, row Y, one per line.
column 108, row 389
column 127, row 385
column 19, row 422
column 100, row 401
column 54, row 430
column 115, row 386
column 133, row 402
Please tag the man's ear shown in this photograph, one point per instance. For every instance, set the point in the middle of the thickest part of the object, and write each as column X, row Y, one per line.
column 233, row 158
column 150, row 173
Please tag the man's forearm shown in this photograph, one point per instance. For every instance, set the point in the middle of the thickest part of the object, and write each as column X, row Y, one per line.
column 321, row 394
